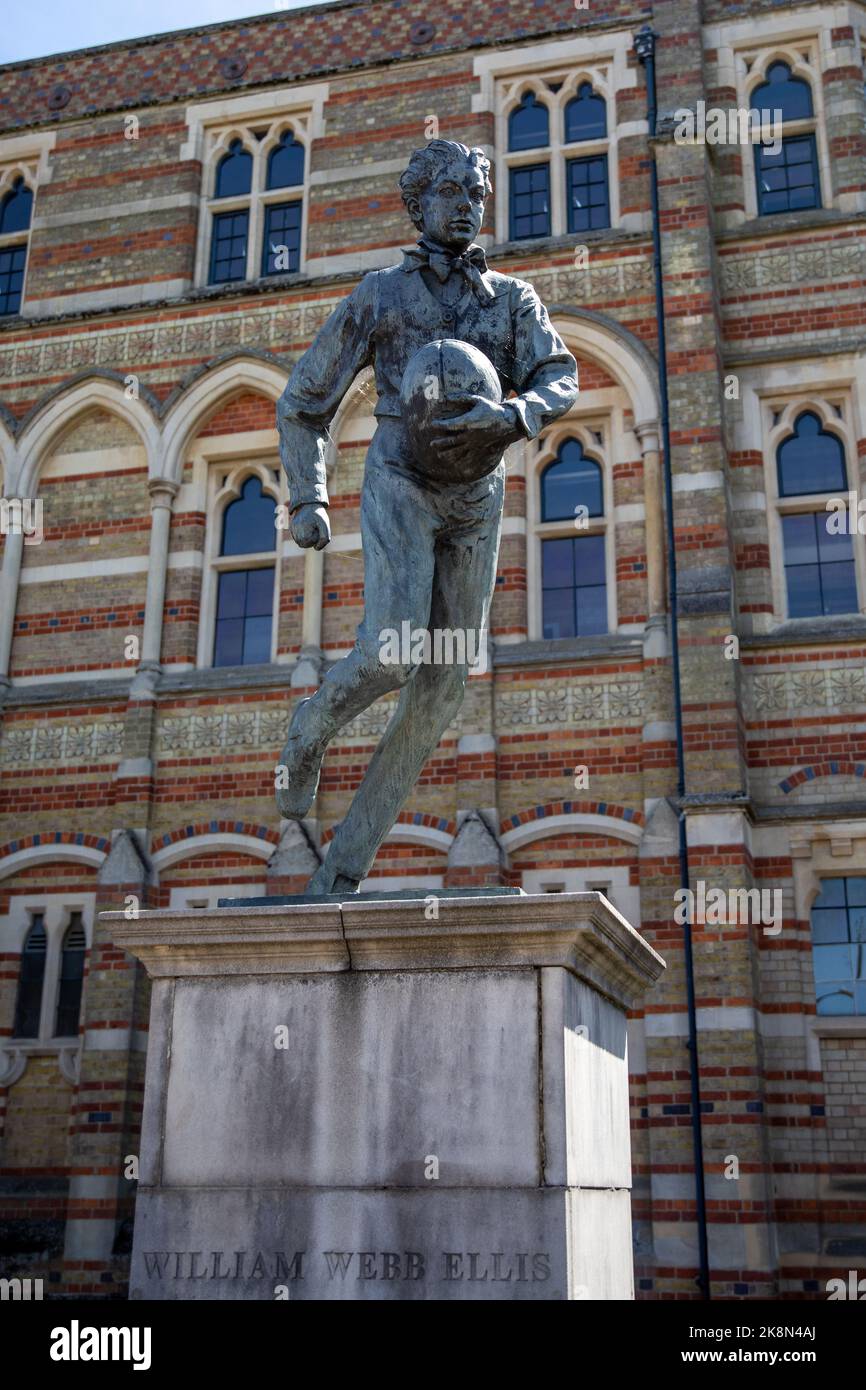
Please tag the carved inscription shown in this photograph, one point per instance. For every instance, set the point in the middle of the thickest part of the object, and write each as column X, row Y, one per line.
column 451, row 1266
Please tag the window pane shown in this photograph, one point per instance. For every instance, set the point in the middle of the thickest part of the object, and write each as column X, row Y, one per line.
column 834, row 998
column 242, row 632
column 840, row 968
column 811, row 460
column 782, row 92
column 71, row 980
column 229, row 642
column 586, row 192
column 829, row 925
column 558, row 613
column 857, row 923
column 16, row 209
column 229, row 247
column 839, row 587
column 257, row 641
column 585, row 115
column 528, row 125
column 31, row 975
column 572, row 480
column 557, row 563
column 833, row 892
column 231, row 594
column 260, row 593
column 234, row 172
column 248, row 523
column 832, row 963
column 281, row 250
column 801, row 540
column 832, row 548
column 804, row 592
column 530, row 201
column 286, row 163
column 12, row 260
column 788, row 180
column 591, row 610
column 589, row 560
column 856, row 890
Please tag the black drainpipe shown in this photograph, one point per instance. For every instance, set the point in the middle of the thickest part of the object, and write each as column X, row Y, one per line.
column 645, row 43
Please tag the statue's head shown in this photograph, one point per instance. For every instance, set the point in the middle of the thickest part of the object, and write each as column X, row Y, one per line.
column 444, row 189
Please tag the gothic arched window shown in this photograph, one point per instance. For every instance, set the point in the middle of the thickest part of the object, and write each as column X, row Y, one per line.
column 573, row 545
column 787, row 177
column 820, row 573
column 71, row 979
column 245, row 587
column 31, row 979
column 15, row 211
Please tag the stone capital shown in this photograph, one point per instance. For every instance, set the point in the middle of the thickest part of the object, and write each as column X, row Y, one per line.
column 162, row 492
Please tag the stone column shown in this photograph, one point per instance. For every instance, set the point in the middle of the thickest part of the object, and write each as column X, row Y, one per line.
column 9, row 576
column 359, row 1101
column 308, row 669
column 162, row 494
column 648, row 435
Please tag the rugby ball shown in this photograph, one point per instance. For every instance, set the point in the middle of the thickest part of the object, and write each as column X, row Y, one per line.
column 436, row 384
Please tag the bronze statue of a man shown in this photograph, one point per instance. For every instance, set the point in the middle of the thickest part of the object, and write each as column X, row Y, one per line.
column 431, row 504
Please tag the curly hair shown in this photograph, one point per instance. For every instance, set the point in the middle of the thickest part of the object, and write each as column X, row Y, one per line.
column 425, row 165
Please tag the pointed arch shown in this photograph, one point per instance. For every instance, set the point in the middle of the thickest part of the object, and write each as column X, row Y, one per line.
column 208, row 393
column 79, row 396
column 622, row 354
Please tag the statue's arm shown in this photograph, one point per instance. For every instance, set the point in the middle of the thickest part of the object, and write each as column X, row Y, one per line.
column 317, row 385
column 545, row 373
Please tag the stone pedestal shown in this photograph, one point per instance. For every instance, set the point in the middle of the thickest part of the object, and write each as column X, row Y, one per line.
column 363, row 1101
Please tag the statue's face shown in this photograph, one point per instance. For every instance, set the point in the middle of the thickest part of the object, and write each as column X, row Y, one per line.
column 452, row 206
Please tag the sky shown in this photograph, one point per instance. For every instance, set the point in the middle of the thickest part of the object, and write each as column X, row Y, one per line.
column 34, row 28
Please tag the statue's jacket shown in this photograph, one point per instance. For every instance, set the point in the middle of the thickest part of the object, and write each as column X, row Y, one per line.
column 382, row 323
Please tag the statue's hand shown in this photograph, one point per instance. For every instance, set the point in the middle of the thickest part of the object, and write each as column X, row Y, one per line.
column 311, row 527
column 484, row 425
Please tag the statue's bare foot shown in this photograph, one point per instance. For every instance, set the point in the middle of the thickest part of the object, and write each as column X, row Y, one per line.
column 330, row 880
column 302, row 759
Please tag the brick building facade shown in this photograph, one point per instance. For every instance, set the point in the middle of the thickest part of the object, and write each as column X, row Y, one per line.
column 138, row 378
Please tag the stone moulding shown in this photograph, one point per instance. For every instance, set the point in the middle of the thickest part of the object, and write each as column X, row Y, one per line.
column 580, row 932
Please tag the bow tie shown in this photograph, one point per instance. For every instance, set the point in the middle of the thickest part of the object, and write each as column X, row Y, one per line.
column 471, row 265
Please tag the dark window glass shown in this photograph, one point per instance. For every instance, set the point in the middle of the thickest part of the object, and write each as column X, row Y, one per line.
column 529, row 125
column 31, row 976
column 819, row 567
column 573, row 586
column 530, row 201
column 248, row 523
column 16, row 208
column 788, row 181
column 245, row 600
column 782, row 92
column 71, row 978
column 285, row 163
column 12, row 259
column 281, row 252
column 572, row 480
column 234, row 172
column 811, row 459
column 228, row 254
column 585, row 115
column 586, row 183
column 839, row 946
